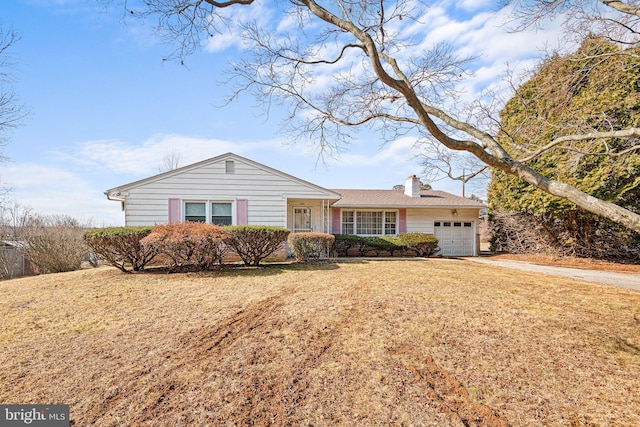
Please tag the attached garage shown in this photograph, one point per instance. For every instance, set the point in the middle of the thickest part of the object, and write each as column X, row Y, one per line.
column 456, row 238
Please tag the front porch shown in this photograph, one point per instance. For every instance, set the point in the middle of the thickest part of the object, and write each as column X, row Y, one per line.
column 309, row 215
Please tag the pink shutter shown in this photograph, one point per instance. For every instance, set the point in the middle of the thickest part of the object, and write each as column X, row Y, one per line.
column 174, row 210
column 402, row 221
column 242, row 211
column 335, row 220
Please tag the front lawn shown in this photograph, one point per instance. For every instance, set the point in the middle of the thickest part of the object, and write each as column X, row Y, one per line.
column 426, row 342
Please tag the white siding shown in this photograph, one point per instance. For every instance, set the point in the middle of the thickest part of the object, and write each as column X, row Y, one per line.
column 266, row 192
column 421, row 220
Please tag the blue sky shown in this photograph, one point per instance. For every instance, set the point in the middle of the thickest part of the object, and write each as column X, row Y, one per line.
column 105, row 109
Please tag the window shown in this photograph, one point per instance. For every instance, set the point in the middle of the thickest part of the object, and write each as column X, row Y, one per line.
column 389, row 223
column 372, row 223
column 348, row 223
column 369, row 222
column 229, row 166
column 195, row 212
column 221, row 213
column 467, row 224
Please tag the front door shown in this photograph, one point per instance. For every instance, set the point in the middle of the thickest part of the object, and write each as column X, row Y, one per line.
column 301, row 219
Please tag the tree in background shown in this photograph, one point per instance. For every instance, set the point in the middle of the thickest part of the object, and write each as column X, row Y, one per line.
column 340, row 65
column 592, row 91
column 170, row 161
column 11, row 112
column 51, row 243
column 614, row 20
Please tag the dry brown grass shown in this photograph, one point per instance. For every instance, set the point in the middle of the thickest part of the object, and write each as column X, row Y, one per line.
column 567, row 261
column 426, row 342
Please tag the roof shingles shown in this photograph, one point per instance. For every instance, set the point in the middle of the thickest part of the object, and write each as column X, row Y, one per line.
column 397, row 199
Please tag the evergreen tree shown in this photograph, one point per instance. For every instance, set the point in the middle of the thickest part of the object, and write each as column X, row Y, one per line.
column 595, row 89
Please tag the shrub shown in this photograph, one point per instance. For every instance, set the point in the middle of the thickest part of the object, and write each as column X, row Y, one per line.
column 253, row 243
column 406, row 244
column 53, row 244
column 189, row 243
column 570, row 233
column 424, row 244
column 121, row 246
column 351, row 245
column 311, row 246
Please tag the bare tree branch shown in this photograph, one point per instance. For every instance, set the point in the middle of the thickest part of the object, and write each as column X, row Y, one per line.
column 614, row 20
column 625, row 133
column 11, row 112
column 623, row 7
column 329, row 86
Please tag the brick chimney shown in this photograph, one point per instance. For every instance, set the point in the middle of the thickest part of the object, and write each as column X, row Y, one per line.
column 412, row 186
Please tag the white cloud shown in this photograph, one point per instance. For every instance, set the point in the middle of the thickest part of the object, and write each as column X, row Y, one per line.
column 146, row 159
column 398, row 152
column 471, row 5
column 56, row 191
column 220, row 42
column 230, row 35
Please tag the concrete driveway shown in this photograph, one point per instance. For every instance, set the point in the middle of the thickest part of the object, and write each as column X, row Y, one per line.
column 626, row 280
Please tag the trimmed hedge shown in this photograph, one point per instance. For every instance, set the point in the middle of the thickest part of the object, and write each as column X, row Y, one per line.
column 403, row 245
column 121, row 246
column 310, row 246
column 253, row 243
column 189, row 243
column 424, row 244
column 350, row 245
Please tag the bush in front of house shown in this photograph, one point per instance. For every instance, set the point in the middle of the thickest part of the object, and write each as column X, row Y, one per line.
column 311, row 246
column 253, row 243
column 424, row 244
column 121, row 246
column 402, row 245
column 189, row 243
column 350, row 245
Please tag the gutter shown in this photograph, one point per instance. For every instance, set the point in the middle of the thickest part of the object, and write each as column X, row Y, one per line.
column 117, row 199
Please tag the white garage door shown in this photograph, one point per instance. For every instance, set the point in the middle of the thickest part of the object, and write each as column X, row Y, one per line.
column 455, row 238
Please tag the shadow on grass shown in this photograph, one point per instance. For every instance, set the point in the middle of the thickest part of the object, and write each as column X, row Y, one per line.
column 241, row 270
column 365, row 260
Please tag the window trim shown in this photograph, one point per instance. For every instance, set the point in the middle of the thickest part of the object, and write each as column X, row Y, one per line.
column 383, row 226
column 293, row 219
column 208, row 206
column 193, row 202
column 213, row 202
